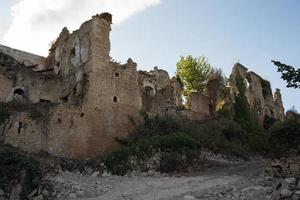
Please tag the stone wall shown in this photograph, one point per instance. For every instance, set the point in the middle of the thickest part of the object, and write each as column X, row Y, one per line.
column 30, row 85
column 22, row 57
column 199, row 103
column 258, row 93
column 160, row 94
column 94, row 100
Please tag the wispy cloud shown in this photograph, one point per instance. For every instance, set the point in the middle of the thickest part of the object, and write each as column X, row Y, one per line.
column 35, row 23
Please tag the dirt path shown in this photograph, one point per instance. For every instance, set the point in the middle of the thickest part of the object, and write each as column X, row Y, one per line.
column 233, row 181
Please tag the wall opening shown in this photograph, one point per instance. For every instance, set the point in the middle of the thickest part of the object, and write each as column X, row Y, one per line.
column 149, row 91
column 117, row 74
column 115, row 99
column 45, row 101
column 73, row 52
column 65, row 99
column 20, row 92
column 20, row 124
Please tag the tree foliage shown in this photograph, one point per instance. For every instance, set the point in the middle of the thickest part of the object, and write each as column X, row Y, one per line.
column 193, row 72
column 289, row 74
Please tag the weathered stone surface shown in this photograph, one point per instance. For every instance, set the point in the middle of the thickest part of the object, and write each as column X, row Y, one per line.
column 21, row 56
column 258, row 93
column 188, row 197
column 291, row 181
column 95, row 99
column 284, row 193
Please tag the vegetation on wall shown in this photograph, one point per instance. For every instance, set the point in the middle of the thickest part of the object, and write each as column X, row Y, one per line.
column 242, row 111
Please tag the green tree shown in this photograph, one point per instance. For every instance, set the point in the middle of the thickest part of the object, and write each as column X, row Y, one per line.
column 289, row 74
column 193, row 72
column 242, row 109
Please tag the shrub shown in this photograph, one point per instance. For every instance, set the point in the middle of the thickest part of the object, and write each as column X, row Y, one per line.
column 268, row 122
column 158, row 126
column 118, row 162
column 179, row 143
column 11, row 165
column 284, row 138
column 258, row 142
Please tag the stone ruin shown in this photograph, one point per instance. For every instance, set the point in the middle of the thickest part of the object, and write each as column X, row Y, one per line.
column 88, row 100
column 258, row 93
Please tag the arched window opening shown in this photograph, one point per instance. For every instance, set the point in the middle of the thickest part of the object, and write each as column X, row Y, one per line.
column 149, row 91
column 20, row 92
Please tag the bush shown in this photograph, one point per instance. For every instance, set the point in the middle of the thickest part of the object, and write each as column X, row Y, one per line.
column 268, row 122
column 179, row 143
column 118, row 162
column 258, row 142
column 284, row 138
column 158, row 126
column 12, row 163
column 141, row 149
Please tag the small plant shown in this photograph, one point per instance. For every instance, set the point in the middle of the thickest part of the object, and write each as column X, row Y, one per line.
column 12, row 163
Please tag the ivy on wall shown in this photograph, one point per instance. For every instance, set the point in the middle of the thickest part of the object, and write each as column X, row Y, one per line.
column 242, row 111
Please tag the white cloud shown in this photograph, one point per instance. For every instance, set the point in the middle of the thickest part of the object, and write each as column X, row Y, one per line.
column 35, row 23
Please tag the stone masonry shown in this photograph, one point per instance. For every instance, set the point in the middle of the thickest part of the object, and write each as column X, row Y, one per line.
column 85, row 100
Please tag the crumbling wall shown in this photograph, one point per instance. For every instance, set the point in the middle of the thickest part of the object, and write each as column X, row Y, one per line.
column 6, row 86
column 113, row 102
column 199, row 103
column 160, row 94
column 258, row 93
column 95, row 100
column 24, row 132
column 34, row 86
column 28, row 59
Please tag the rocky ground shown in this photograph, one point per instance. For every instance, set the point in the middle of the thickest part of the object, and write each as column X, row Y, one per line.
column 226, row 180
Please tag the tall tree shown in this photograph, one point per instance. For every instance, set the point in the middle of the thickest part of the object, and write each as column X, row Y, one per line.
column 193, row 72
column 289, row 74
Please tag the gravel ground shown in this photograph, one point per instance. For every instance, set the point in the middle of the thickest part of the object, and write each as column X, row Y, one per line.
column 242, row 180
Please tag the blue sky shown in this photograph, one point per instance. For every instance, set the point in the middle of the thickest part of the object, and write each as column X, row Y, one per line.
column 225, row 31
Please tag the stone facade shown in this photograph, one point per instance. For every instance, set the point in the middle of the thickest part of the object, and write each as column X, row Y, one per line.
column 258, row 93
column 92, row 100
column 85, row 100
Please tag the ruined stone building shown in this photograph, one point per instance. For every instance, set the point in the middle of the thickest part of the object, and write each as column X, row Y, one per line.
column 258, row 93
column 86, row 100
